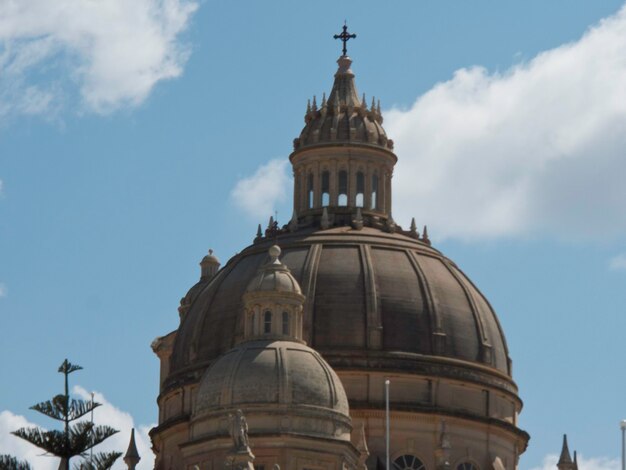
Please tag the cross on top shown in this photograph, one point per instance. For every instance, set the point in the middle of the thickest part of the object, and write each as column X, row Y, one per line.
column 344, row 36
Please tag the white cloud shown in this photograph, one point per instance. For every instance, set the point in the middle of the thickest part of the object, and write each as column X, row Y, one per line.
column 114, row 52
column 618, row 262
column 258, row 195
column 535, row 150
column 19, row 448
column 3, row 290
column 592, row 463
column 107, row 414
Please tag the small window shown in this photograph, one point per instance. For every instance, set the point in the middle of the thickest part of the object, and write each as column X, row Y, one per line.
column 310, row 193
column 285, row 323
column 267, row 322
column 408, row 462
column 374, row 204
column 360, row 188
column 343, row 188
column 466, row 466
column 325, row 188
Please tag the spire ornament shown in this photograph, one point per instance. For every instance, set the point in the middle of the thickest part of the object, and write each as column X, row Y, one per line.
column 345, row 37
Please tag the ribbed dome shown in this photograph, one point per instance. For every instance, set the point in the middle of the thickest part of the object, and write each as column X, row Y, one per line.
column 368, row 294
column 344, row 117
column 271, row 372
column 274, row 277
column 261, row 377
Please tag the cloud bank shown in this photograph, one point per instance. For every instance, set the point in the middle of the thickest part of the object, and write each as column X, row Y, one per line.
column 537, row 150
column 593, row 463
column 107, row 414
column 259, row 195
column 112, row 52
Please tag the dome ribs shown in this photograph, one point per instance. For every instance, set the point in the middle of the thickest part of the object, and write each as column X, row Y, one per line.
column 373, row 323
column 406, row 326
column 438, row 334
column 307, row 283
column 339, row 299
column 365, row 290
column 486, row 350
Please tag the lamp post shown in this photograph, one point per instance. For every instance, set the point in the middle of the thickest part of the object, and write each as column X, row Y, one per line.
column 622, row 426
column 387, row 425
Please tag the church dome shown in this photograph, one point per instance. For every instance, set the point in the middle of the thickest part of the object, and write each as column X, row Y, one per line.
column 271, row 372
column 372, row 299
column 274, row 277
column 265, row 374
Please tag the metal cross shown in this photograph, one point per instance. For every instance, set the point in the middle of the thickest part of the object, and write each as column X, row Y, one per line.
column 345, row 36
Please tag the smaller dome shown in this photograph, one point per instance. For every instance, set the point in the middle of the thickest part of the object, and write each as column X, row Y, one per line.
column 210, row 259
column 274, row 277
column 264, row 375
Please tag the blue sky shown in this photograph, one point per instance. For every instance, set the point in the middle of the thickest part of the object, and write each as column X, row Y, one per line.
column 125, row 131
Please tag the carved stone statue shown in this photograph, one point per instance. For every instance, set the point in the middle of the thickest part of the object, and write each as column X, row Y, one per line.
column 239, row 432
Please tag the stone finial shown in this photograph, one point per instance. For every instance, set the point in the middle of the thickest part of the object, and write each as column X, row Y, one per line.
column 209, row 266
column 363, row 103
column 425, row 238
column 132, row 458
column 413, row 230
column 274, row 253
column 357, row 222
column 325, row 223
column 575, row 460
column 314, row 105
column 259, row 232
column 324, row 100
column 390, row 224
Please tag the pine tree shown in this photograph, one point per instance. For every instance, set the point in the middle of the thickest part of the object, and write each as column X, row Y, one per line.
column 11, row 463
column 75, row 439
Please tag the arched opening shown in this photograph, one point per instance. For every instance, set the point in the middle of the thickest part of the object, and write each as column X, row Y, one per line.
column 466, row 466
column 267, row 322
column 342, row 184
column 360, row 189
column 310, row 192
column 325, row 188
column 374, row 203
column 285, row 323
column 408, row 462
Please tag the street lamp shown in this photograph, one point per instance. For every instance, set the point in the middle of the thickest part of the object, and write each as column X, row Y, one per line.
column 622, row 426
column 387, row 425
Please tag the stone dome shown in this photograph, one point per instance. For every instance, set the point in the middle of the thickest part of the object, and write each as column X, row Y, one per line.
column 373, row 299
column 274, row 277
column 344, row 117
column 261, row 374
